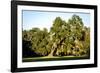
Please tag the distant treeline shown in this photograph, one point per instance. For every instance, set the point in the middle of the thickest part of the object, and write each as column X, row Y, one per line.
column 69, row 38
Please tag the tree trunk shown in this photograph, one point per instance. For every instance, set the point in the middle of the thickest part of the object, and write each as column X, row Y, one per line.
column 54, row 47
column 51, row 53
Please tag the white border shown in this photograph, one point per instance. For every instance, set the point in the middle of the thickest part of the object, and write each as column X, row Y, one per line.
column 52, row 63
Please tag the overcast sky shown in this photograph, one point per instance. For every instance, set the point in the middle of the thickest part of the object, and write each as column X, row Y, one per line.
column 43, row 19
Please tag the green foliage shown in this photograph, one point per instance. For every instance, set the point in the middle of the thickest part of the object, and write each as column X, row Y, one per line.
column 70, row 38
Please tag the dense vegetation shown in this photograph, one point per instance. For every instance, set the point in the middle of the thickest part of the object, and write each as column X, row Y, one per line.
column 69, row 38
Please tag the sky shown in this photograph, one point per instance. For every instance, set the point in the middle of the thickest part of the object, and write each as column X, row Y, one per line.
column 43, row 19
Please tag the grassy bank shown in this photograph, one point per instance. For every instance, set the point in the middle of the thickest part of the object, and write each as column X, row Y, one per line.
column 47, row 58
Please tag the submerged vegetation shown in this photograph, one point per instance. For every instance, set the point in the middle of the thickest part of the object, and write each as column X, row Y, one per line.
column 69, row 38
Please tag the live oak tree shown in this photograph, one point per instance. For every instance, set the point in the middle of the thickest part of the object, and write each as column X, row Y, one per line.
column 69, row 38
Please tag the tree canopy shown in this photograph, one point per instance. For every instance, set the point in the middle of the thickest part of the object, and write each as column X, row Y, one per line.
column 69, row 38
